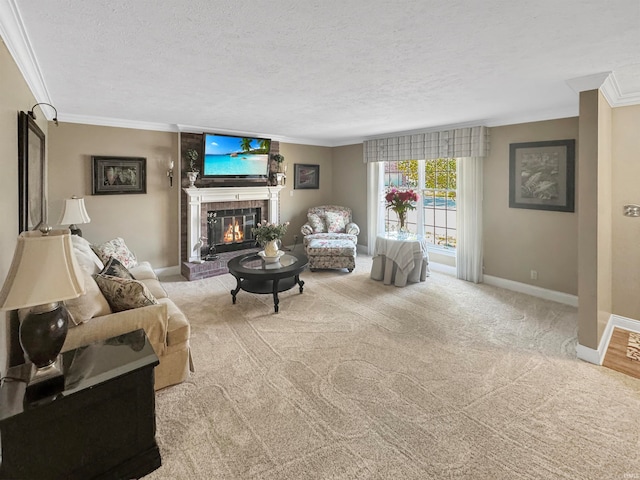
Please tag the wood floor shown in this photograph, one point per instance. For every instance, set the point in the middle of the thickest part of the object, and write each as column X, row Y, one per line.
column 616, row 356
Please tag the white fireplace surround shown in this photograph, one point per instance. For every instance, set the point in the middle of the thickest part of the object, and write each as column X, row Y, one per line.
column 198, row 196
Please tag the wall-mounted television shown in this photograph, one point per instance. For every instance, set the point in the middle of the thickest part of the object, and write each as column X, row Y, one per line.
column 235, row 158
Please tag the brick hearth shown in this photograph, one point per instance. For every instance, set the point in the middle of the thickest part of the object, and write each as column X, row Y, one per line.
column 197, row 271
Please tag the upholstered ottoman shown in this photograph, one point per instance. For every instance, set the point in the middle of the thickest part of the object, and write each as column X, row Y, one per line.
column 330, row 253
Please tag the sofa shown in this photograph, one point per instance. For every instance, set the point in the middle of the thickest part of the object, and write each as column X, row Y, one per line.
column 330, row 238
column 113, row 277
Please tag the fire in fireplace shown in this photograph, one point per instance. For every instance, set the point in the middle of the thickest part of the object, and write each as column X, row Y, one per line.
column 233, row 233
column 229, row 230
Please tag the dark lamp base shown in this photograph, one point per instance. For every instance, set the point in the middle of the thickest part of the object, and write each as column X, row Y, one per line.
column 45, row 382
column 42, row 335
column 75, row 230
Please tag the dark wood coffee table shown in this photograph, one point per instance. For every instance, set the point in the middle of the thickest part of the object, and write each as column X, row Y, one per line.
column 257, row 276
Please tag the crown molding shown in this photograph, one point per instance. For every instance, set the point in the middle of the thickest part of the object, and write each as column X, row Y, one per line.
column 611, row 91
column 182, row 128
column 278, row 138
column 116, row 122
column 608, row 84
column 555, row 114
column 15, row 38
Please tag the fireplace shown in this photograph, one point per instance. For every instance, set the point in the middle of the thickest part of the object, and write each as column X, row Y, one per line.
column 200, row 201
column 229, row 230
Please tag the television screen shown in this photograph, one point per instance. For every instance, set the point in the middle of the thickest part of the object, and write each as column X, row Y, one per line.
column 235, row 157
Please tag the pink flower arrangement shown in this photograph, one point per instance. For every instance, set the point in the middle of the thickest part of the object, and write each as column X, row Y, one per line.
column 401, row 200
column 266, row 232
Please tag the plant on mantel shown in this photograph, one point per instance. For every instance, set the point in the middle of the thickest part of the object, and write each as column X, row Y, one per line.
column 279, row 159
column 192, row 156
column 192, row 173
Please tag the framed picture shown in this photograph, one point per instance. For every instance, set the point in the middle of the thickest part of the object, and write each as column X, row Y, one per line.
column 306, row 176
column 542, row 175
column 119, row 175
column 32, row 204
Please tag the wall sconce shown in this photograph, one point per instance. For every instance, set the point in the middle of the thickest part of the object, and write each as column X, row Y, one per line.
column 170, row 173
column 631, row 210
column 33, row 115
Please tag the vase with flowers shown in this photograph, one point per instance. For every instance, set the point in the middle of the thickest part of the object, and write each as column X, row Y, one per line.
column 269, row 236
column 401, row 201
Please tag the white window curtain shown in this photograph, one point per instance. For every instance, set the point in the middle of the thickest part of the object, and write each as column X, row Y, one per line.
column 469, row 219
column 375, row 205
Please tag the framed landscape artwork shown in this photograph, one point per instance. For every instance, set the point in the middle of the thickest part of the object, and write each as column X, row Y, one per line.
column 306, row 176
column 118, row 175
column 32, row 204
column 542, row 175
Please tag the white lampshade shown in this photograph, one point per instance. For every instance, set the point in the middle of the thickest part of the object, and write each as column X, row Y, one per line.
column 73, row 212
column 44, row 270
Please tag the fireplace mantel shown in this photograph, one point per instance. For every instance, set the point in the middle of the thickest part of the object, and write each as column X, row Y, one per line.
column 197, row 196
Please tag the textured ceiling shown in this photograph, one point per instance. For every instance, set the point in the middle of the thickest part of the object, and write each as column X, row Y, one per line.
column 325, row 72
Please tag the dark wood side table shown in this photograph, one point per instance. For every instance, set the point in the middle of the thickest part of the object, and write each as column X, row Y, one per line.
column 101, row 426
column 255, row 275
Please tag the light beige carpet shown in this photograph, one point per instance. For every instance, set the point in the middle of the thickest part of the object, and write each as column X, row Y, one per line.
column 357, row 380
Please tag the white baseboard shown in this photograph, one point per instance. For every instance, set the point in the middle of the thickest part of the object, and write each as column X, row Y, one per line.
column 597, row 356
column 168, row 271
column 589, row 354
column 560, row 297
column 442, row 268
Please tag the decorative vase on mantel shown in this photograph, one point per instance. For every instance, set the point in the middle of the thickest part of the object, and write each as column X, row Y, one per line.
column 192, row 176
column 271, row 248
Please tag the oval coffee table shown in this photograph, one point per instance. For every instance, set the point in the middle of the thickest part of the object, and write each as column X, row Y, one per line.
column 255, row 275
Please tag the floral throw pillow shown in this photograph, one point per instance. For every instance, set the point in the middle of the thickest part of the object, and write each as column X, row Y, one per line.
column 118, row 249
column 335, row 222
column 124, row 293
column 316, row 223
column 114, row 268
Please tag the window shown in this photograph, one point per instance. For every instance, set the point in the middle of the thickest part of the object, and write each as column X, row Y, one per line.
column 402, row 175
column 439, row 200
column 436, row 180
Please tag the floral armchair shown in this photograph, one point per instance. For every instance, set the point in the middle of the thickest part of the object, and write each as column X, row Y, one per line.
column 330, row 237
column 329, row 222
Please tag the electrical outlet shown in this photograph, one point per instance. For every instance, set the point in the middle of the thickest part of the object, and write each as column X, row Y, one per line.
column 534, row 274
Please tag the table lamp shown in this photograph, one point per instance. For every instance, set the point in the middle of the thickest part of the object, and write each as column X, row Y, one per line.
column 43, row 273
column 73, row 212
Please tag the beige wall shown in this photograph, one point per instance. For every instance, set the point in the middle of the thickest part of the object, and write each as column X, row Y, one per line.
column 350, row 184
column 626, row 230
column 15, row 96
column 588, row 221
column 295, row 203
column 147, row 222
column 604, row 214
column 517, row 240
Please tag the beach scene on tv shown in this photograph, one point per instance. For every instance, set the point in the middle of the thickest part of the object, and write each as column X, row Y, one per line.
column 225, row 155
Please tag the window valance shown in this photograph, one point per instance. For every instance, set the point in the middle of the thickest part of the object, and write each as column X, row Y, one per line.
column 461, row 142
